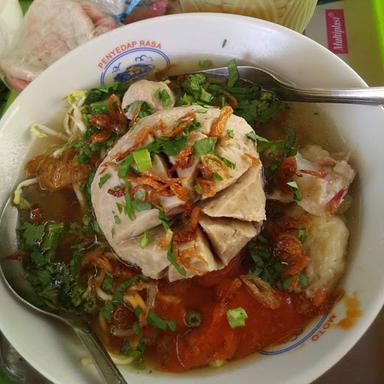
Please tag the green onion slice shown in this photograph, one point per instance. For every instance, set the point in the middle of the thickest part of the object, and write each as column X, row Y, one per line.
column 236, row 317
column 142, row 159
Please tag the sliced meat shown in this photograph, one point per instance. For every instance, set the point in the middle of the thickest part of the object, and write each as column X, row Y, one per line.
column 156, row 93
column 322, row 181
column 227, row 236
column 152, row 259
column 244, row 200
column 195, row 256
column 326, row 245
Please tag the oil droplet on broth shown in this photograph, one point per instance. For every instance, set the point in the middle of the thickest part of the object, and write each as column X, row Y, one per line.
column 352, row 312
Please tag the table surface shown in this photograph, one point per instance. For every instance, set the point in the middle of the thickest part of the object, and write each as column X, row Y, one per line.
column 364, row 364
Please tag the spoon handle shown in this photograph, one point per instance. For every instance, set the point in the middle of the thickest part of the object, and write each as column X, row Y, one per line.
column 367, row 96
column 103, row 362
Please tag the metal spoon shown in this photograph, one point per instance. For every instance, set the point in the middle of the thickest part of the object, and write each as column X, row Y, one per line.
column 13, row 273
column 289, row 92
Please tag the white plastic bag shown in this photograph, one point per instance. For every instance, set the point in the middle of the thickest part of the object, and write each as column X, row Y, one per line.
column 11, row 18
column 50, row 29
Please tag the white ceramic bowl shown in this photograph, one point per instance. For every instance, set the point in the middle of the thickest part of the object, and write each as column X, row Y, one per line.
column 51, row 348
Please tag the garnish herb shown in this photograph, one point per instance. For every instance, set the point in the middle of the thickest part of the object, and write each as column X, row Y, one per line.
column 120, row 207
column 301, row 234
column 160, row 323
column 204, row 146
column 53, row 281
column 216, row 176
column 274, row 152
column 141, row 206
column 193, row 85
column 233, row 73
column 205, row 96
column 295, row 189
column 104, row 179
column 303, row 279
column 102, row 93
column 197, row 189
column 31, row 235
column 169, row 146
column 287, row 283
column 118, row 295
column 144, row 239
column 145, row 108
column 266, row 266
column 124, row 166
column 228, row 163
column 205, row 63
column 53, row 235
column 173, row 146
column 128, row 207
column 164, row 220
column 192, row 319
column 230, row 133
column 99, row 107
column 117, row 219
column 107, row 282
column 164, row 97
column 236, row 317
column 185, row 100
column 171, row 258
column 260, row 110
column 256, row 138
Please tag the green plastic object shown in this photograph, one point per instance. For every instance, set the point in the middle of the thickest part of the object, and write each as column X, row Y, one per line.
column 378, row 11
column 5, row 380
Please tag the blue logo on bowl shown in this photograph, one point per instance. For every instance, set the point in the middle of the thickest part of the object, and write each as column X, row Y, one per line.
column 132, row 64
column 134, row 72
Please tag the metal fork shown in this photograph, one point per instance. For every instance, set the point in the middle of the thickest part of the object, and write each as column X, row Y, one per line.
column 289, row 92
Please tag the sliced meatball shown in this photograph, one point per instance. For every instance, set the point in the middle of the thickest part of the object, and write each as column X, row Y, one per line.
column 195, row 256
column 227, row 236
column 152, row 259
column 244, row 200
column 112, row 199
column 156, row 93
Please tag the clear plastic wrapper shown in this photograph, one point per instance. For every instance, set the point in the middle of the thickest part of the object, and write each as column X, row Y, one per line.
column 51, row 28
column 128, row 11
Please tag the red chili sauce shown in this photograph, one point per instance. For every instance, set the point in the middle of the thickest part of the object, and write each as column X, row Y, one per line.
column 212, row 295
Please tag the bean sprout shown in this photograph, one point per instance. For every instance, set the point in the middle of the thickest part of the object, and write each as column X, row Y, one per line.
column 41, row 131
column 79, row 195
column 17, row 196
